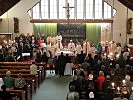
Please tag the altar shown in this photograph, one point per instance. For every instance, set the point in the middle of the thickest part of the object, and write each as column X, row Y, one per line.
column 66, row 52
column 69, row 66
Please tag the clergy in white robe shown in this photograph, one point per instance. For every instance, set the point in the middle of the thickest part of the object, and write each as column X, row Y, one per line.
column 86, row 47
column 112, row 48
column 53, row 40
column 59, row 41
column 93, row 51
column 65, row 48
column 71, row 46
column 48, row 46
column 59, row 46
column 49, row 39
column 118, row 49
column 53, row 50
column 78, row 49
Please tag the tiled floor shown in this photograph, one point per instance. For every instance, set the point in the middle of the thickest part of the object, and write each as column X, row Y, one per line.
column 53, row 88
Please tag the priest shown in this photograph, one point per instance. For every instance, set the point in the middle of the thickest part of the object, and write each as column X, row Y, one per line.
column 86, row 47
column 59, row 42
column 71, row 46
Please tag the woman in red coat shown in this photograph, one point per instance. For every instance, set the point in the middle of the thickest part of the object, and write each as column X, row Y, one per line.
column 100, row 80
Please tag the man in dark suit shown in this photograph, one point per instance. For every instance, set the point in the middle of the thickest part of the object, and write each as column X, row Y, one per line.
column 61, row 64
column 81, row 58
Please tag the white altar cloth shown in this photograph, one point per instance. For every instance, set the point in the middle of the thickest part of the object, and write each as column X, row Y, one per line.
column 65, row 52
column 25, row 54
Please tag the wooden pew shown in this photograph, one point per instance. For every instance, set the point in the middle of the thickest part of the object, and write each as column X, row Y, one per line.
column 20, row 93
column 21, row 63
column 32, row 77
column 24, row 64
column 23, row 70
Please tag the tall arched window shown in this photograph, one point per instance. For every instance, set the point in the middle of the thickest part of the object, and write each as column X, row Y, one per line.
column 36, row 14
column 62, row 11
column 44, row 9
column 107, row 10
column 71, row 3
column 53, row 9
column 83, row 9
column 80, row 9
column 98, row 9
column 89, row 9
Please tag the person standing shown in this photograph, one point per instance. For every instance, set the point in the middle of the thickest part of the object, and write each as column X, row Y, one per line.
column 51, row 63
column 86, row 47
column 72, row 95
column 53, row 50
column 1, row 82
column 99, row 48
column 33, row 68
column 61, row 64
column 8, row 80
column 68, row 67
column 100, row 80
column 59, row 42
column 78, row 49
column 71, row 46
column 5, row 95
column 56, row 65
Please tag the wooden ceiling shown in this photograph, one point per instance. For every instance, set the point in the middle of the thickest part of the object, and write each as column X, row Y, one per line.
column 127, row 3
column 5, row 5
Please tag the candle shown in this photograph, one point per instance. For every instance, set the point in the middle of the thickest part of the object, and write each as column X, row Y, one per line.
column 113, row 84
column 124, row 82
column 111, row 53
column 132, row 88
column 117, row 55
column 118, row 88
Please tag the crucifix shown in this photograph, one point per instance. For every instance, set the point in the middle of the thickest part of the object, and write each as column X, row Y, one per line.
column 68, row 8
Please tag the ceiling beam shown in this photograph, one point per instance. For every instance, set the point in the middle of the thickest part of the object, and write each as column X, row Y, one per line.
column 71, row 21
column 5, row 5
column 127, row 3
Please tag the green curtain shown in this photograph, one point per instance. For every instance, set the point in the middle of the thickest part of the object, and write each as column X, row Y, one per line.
column 49, row 29
column 93, row 32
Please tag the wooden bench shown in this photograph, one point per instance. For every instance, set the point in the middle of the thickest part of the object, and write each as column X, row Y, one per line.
column 31, row 77
column 24, row 64
column 23, row 70
column 19, row 93
column 21, row 63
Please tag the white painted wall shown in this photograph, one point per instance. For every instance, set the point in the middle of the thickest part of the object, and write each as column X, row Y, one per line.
column 20, row 11
column 119, row 24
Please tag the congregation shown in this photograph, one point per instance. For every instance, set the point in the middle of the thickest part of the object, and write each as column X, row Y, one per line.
column 98, row 70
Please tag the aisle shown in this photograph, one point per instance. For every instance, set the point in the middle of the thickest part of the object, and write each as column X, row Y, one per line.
column 53, row 88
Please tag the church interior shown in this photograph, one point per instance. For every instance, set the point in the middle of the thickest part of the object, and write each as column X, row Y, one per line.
column 66, row 49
